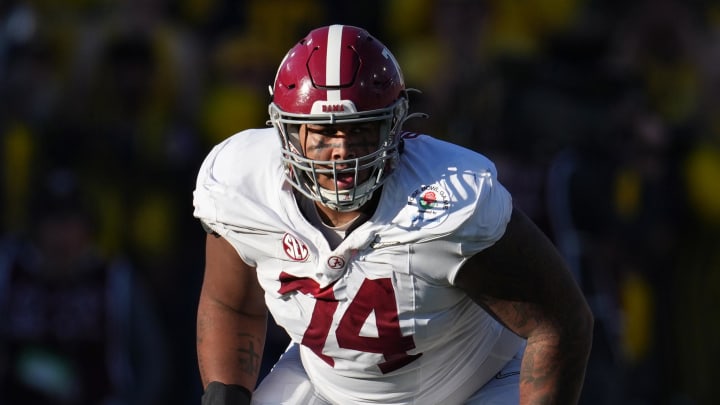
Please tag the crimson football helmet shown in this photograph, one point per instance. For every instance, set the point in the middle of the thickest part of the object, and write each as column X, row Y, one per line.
column 338, row 74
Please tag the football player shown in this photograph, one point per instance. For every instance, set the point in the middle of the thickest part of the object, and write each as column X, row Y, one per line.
column 395, row 261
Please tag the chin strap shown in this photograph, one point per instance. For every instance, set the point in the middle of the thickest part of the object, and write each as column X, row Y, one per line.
column 335, row 199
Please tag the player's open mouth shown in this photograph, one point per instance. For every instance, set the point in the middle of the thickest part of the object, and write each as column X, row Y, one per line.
column 345, row 181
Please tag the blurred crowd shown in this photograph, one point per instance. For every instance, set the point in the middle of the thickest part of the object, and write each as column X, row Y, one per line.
column 601, row 116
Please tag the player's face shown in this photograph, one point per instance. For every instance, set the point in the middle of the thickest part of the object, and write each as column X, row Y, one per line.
column 335, row 142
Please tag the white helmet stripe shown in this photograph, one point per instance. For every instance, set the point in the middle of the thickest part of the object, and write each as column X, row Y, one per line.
column 332, row 61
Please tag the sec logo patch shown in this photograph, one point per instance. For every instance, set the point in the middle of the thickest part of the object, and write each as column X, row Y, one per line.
column 294, row 248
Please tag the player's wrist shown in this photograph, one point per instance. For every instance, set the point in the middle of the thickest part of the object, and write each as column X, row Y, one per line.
column 217, row 393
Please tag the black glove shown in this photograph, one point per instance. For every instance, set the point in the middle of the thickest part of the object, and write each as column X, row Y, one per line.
column 217, row 393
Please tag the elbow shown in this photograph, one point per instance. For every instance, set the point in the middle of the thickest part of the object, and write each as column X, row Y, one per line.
column 575, row 327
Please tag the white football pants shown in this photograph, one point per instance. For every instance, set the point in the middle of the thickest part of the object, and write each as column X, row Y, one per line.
column 288, row 384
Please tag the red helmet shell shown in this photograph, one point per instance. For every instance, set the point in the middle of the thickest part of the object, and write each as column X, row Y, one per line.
column 333, row 65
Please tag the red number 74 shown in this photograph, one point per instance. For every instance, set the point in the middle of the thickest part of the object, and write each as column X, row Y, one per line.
column 375, row 295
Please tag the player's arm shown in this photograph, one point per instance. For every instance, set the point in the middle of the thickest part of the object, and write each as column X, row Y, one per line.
column 231, row 325
column 525, row 284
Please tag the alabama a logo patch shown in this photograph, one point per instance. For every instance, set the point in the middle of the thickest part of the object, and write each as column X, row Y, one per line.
column 429, row 205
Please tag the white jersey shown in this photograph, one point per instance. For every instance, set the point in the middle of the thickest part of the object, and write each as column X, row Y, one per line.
column 378, row 318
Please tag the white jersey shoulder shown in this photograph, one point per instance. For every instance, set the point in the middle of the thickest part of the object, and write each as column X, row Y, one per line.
column 239, row 186
column 447, row 195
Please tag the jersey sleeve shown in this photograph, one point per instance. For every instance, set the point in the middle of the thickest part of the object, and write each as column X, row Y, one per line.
column 488, row 221
column 467, row 210
column 476, row 223
column 208, row 190
column 233, row 194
